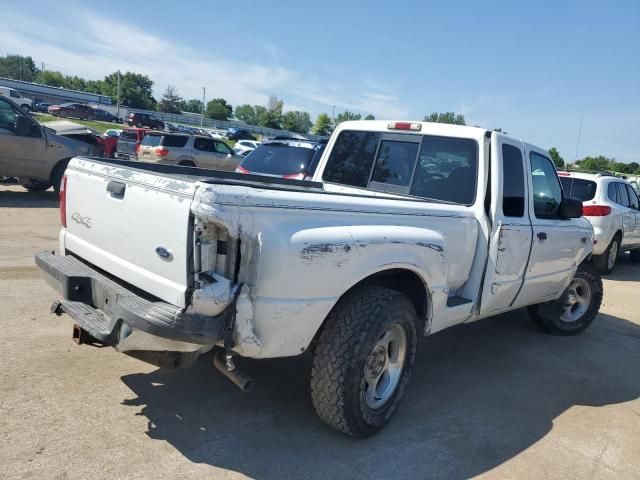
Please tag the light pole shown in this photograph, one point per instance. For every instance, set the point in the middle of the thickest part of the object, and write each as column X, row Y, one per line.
column 202, row 116
column 333, row 113
column 118, row 96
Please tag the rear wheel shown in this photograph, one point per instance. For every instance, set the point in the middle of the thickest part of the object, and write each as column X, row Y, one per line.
column 57, row 173
column 26, row 108
column 34, row 185
column 363, row 360
column 605, row 262
column 576, row 309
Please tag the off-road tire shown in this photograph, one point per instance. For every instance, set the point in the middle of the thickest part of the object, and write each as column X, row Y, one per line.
column 601, row 262
column 634, row 255
column 338, row 372
column 34, row 185
column 547, row 315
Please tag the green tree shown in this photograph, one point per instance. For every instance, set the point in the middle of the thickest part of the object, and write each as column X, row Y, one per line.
column 136, row 90
column 369, row 117
column 346, row 116
column 18, row 67
column 446, row 117
column 596, row 163
column 323, row 125
column 246, row 113
column 171, row 101
column 296, row 121
column 219, row 109
column 634, row 167
column 271, row 116
column 194, row 105
column 555, row 156
column 51, row 78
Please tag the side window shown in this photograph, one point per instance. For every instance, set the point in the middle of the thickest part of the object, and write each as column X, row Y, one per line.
column 547, row 193
column 222, row 148
column 7, row 116
column 351, row 158
column 622, row 194
column 633, row 198
column 203, row 144
column 177, row 141
column 14, row 94
column 395, row 163
column 513, row 181
column 612, row 193
column 447, row 169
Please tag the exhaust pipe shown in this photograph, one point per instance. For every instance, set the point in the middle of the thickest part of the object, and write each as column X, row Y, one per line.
column 223, row 361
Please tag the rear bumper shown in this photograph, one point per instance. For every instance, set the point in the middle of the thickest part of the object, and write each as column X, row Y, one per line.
column 116, row 315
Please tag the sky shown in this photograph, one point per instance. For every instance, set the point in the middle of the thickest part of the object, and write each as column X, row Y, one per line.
column 533, row 69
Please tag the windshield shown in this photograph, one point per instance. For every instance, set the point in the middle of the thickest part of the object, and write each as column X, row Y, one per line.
column 578, row 188
column 279, row 159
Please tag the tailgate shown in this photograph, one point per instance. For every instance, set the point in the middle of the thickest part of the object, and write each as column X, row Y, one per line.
column 134, row 225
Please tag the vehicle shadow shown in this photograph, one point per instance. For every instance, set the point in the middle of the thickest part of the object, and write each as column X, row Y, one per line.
column 480, row 394
column 25, row 199
column 625, row 270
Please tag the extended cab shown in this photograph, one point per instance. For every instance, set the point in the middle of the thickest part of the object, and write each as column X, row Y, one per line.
column 406, row 229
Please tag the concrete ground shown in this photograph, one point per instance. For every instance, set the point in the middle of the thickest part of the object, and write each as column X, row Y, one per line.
column 494, row 399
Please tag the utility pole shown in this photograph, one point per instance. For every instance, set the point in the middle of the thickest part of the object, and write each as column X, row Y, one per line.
column 42, row 69
column 333, row 114
column 202, row 115
column 579, row 134
column 118, row 96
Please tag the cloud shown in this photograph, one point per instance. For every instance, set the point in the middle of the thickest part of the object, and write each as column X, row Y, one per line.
column 99, row 45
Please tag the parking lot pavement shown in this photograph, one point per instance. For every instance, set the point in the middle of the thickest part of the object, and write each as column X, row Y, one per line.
column 495, row 399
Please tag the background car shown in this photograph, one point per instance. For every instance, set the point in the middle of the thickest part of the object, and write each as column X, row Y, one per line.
column 24, row 103
column 244, row 147
column 105, row 116
column 73, row 110
column 613, row 208
column 292, row 159
column 42, row 107
column 128, row 142
column 239, row 134
column 187, row 150
column 112, row 132
column 144, row 120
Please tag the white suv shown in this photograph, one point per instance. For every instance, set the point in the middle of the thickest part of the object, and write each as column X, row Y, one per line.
column 612, row 206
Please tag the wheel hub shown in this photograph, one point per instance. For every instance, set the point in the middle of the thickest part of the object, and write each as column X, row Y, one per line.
column 577, row 300
column 376, row 361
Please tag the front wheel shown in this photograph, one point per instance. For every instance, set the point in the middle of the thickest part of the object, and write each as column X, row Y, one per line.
column 26, row 108
column 576, row 309
column 363, row 360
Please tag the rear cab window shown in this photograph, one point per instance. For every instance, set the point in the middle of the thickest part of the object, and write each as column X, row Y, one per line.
column 425, row 166
column 279, row 159
column 151, row 141
column 579, row 188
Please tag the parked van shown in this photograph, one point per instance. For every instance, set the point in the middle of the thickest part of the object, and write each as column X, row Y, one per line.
column 24, row 103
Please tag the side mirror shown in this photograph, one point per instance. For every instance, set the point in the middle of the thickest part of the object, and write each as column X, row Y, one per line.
column 571, row 208
column 22, row 126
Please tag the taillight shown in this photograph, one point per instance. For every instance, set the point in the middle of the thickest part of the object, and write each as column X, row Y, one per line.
column 295, row 176
column 239, row 169
column 63, row 201
column 162, row 152
column 596, row 210
column 404, row 126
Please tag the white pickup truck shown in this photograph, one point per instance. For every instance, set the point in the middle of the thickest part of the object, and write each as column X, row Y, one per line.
column 406, row 228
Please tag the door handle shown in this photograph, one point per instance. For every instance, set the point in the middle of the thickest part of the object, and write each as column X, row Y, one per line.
column 116, row 189
column 542, row 235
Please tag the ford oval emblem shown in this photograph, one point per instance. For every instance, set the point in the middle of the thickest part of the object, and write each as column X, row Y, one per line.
column 164, row 253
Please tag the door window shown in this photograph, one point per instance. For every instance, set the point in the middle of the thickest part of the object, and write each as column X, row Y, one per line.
column 512, row 181
column 7, row 116
column 633, row 198
column 203, row 144
column 221, row 148
column 14, row 94
column 547, row 194
column 623, row 196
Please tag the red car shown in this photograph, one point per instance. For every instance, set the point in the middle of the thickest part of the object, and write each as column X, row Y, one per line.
column 75, row 110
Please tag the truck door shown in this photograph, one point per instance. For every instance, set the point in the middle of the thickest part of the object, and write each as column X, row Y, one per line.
column 556, row 240
column 511, row 234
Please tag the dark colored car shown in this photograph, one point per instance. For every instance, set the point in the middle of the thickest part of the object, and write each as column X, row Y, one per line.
column 144, row 120
column 74, row 110
column 293, row 159
column 239, row 134
column 105, row 116
column 42, row 107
